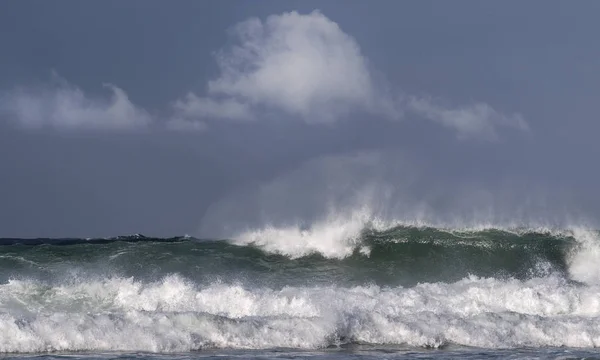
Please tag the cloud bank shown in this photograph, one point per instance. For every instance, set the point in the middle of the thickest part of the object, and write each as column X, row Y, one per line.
column 299, row 65
column 305, row 66
column 293, row 66
column 64, row 106
column 478, row 120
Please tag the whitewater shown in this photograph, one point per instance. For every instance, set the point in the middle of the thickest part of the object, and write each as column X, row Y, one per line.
column 343, row 284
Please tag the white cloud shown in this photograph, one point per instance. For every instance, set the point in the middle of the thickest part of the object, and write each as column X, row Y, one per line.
column 194, row 106
column 302, row 65
column 180, row 124
column 307, row 67
column 478, row 120
column 67, row 107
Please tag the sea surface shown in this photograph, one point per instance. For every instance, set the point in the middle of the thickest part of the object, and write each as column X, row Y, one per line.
column 332, row 292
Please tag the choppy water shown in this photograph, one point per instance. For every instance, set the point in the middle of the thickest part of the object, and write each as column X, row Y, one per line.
column 334, row 291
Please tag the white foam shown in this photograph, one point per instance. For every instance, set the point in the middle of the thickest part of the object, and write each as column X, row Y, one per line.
column 584, row 259
column 176, row 315
column 337, row 236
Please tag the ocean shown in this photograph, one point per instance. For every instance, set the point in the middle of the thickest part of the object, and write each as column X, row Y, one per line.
column 402, row 291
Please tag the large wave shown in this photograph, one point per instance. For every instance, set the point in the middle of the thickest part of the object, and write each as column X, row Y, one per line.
column 575, row 249
column 345, row 280
column 346, row 251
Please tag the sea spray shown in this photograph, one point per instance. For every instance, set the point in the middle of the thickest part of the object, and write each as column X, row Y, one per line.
column 364, row 283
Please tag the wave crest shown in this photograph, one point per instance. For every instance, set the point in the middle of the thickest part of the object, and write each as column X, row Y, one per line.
column 334, row 237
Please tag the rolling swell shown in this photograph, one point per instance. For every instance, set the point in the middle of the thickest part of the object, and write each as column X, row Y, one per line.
column 401, row 255
column 407, row 286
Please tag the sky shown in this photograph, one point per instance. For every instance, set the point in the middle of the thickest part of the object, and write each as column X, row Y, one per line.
column 170, row 118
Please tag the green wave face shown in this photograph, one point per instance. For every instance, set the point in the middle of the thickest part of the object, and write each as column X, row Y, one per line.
column 399, row 256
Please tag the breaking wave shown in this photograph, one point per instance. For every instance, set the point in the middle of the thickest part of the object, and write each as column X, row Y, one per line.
column 342, row 281
column 174, row 314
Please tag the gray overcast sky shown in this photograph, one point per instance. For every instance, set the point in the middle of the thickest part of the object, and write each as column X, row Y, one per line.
column 204, row 103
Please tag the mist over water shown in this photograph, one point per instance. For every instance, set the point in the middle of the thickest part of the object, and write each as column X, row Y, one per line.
column 343, row 251
column 384, row 189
